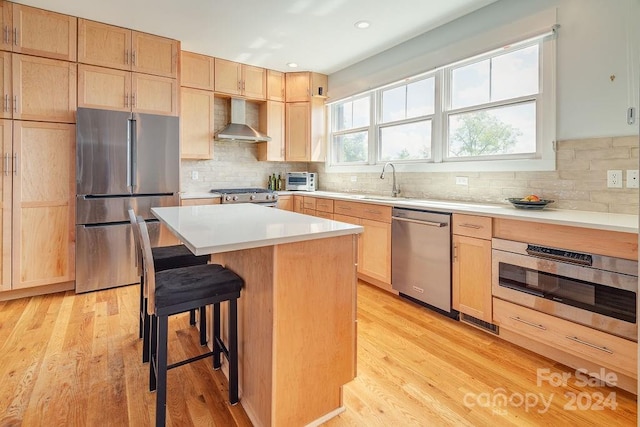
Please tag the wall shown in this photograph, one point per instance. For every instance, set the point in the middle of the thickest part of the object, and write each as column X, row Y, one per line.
column 597, row 39
column 580, row 181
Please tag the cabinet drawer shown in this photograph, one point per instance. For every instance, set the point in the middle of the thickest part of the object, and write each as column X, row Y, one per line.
column 581, row 341
column 472, row 226
column 324, row 205
column 325, row 215
column 309, row 202
column 363, row 210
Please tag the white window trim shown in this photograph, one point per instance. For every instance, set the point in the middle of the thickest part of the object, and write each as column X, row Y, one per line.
column 545, row 129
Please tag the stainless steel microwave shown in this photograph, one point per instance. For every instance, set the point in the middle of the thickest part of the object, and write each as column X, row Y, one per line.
column 301, row 181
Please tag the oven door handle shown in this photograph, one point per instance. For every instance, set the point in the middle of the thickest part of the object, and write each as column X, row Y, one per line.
column 588, row 344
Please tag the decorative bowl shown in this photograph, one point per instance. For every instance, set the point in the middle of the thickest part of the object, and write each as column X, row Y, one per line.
column 523, row 204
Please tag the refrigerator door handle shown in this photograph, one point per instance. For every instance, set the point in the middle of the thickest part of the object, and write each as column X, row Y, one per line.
column 129, row 155
column 134, row 157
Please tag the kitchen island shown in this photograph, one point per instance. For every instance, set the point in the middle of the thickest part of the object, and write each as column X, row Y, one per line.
column 297, row 310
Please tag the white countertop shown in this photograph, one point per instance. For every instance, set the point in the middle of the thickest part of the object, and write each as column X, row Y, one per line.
column 597, row 220
column 222, row 228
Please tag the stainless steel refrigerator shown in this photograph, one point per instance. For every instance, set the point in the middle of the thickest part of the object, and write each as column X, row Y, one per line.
column 123, row 160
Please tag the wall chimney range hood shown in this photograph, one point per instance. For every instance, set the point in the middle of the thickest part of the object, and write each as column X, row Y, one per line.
column 238, row 129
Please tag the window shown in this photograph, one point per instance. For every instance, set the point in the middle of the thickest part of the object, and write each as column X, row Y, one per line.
column 484, row 110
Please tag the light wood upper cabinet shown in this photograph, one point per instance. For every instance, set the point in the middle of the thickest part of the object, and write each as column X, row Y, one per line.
column 196, row 124
column 7, row 90
column 120, row 90
column 197, row 71
column 302, row 86
column 124, row 49
column 272, row 122
column 38, row 32
column 43, row 203
column 43, row 89
column 275, row 85
column 305, row 130
column 234, row 78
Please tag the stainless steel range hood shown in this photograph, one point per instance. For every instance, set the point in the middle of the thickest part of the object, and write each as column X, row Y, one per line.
column 238, row 128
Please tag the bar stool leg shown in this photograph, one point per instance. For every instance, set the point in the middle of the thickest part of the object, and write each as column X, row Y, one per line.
column 161, row 354
column 192, row 317
column 233, row 351
column 142, row 312
column 146, row 333
column 153, row 362
column 203, row 326
column 216, row 336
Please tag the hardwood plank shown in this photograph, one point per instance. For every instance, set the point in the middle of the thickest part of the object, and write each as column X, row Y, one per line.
column 75, row 360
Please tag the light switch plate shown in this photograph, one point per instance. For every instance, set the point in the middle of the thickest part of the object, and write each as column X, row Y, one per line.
column 462, row 180
column 194, row 175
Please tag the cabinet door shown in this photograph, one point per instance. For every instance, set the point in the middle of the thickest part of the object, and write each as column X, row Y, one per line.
column 472, row 277
column 5, row 80
column 154, row 94
column 5, row 210
column 285, row 203
column 272, row 122
column 275, row 85
column 154, row 55
column 100, row 87
column 254, row 82
column 43, row 203
column 197, row 71
column 196, row 127
column 297, row 87
column 376, row 250
column 297, row 130
column 6, row 25
column 354, row 221
column 227, row 77
column 298, row 203
column 44, row 89
column 104, row 45
column 43, row 33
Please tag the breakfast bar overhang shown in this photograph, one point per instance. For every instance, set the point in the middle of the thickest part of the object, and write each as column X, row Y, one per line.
column 297, row 311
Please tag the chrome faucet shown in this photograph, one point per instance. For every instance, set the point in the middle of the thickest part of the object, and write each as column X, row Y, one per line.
column 395, row 190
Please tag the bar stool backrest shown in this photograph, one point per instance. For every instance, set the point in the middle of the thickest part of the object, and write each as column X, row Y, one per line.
column 136, row 240
column 149, row 270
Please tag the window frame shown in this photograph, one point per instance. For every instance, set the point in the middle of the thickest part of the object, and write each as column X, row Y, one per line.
column 543, row 159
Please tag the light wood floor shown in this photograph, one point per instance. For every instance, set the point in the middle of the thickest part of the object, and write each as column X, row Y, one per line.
column 74, row 360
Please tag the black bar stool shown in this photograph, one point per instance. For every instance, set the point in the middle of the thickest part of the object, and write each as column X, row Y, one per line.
column 178, row 291
column 164, row 258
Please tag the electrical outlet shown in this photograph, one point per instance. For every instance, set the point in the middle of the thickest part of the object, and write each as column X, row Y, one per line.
column 632, row 178
column 462, row 180
column 194, row 175
column 614, row 178
column 354, row 178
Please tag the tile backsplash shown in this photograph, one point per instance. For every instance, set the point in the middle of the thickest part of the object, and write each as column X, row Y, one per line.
column 579, row 181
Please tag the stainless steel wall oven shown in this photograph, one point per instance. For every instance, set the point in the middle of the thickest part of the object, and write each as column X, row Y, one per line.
column 593, row 290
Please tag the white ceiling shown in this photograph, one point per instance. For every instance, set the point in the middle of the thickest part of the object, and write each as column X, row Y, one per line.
column 319, row 35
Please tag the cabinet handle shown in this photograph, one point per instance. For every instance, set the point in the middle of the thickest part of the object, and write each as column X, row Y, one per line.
column 133, row 100
column 243, row 85
column 6, row 164
column 346, row 208
column 133, row 57
column 15, row 36
column 5, row 34
column 126, row 99
column 371, row 211
column 126, row 56
column 15, row 164
column 6, row 102
column 526, row 322
column 15, row 103
column 239, row 85
column 474, row 226
column 455, row 253
column 588, row 344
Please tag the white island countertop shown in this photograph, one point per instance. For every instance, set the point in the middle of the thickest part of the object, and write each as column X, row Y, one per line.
column 212, row 229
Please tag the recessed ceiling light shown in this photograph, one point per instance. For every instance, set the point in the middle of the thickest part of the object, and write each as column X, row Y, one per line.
column 362, row 24
column 292, row 65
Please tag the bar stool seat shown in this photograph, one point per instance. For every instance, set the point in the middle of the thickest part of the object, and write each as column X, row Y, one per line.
column 178, row 291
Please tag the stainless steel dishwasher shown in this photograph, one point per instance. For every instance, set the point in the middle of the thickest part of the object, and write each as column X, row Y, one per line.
column 421, row 257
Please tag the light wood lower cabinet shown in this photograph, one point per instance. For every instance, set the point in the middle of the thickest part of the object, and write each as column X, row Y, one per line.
column 285, row 203
column 471, row 285
column 38, row 204
column 298, row 203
